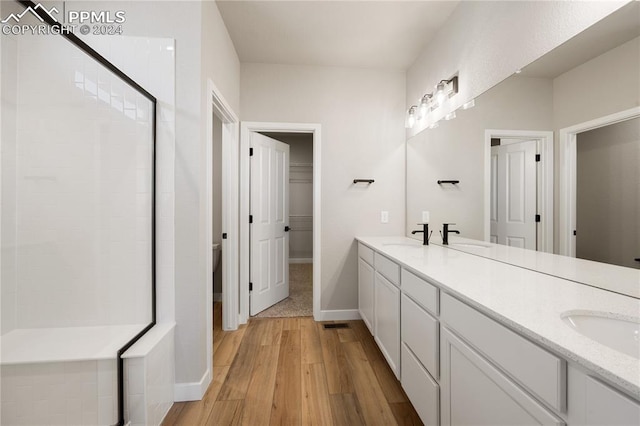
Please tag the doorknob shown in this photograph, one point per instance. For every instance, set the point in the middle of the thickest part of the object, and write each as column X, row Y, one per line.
column 287, row 229
column 637, row 259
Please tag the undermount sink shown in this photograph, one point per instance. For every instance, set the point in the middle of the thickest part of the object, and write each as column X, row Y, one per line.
column 470, row 245
column 622, row 335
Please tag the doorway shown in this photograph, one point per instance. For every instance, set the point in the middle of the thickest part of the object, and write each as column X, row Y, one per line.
column 299, row 302
column 519, row 188
column 599, row 189
column 304, row 133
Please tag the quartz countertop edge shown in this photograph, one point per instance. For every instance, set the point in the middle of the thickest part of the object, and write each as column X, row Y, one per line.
column 528, row 302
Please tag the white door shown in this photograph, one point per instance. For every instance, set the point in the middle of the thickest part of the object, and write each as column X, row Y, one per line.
column 513, row 194
column 269, row 256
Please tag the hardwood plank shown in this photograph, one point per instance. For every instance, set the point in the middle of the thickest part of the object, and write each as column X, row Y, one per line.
column 291, row 324
column 346, row 335
column 259, row 397
column 316, row 408
column 195, row 413
column 375, row 408
column 287, row 396
column 219, row 376
column 405, row 414
column 346, row 410
column 273, row 332
column 310, row 341
column 390, row 385
column 239, row 375
column 174, row 413
column 226, row 413
column 226, row 351
column 335, row 364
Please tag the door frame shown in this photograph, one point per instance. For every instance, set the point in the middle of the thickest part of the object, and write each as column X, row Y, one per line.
column 245, row 132
column 544, row 184
column 568, row 167
column 217, row 104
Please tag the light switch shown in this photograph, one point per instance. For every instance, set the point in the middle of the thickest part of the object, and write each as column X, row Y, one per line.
column 384, row 216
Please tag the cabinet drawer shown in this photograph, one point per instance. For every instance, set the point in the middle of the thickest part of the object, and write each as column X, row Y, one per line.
column 423, row 293
column 387, row 268
column 422, row 390
column 365, row 253
column 420, row 334
column 541, row 372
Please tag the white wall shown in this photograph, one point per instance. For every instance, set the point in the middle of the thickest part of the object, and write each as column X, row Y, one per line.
column 361, row 113
column 487, row 41
column 456, row 150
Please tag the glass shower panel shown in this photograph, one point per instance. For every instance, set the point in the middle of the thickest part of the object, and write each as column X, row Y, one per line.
column 76, row 225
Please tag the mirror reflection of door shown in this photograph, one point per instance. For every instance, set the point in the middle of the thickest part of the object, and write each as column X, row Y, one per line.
column 608, row 194
column 513, row 192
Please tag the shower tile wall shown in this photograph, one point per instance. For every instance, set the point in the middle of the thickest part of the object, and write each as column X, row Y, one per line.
column 83, row 191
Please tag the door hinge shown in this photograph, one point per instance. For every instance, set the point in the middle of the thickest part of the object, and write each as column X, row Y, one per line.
column 574, row 232
column 537, row 158
column 537, row 218
column 250, row 286
column 224, row 235
column 250, row 218
column 250, row 152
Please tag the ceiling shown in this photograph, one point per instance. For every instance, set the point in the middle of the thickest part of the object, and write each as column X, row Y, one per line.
column 363, row 34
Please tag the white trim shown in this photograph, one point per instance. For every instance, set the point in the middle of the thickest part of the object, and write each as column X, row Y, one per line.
column 301, row 260
column 338, row 315
column 246, row 129
column 193, row 391
column 568, row 167
column 217, row 104
column 545, row 181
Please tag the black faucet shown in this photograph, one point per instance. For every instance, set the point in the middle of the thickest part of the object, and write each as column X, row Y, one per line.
column 425, row 233
column 445, row 232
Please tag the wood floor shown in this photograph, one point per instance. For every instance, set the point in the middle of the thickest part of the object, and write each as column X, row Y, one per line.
column 292, row 371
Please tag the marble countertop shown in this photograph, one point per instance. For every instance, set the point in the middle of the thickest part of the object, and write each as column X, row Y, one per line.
column 526, row 301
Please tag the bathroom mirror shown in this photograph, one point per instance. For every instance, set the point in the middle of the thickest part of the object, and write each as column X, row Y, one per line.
column 562, row 101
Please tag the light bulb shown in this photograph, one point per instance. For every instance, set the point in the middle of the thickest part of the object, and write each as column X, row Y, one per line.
column 424, row 107
column 440, row 94
column 411, row 118
column 450, row 116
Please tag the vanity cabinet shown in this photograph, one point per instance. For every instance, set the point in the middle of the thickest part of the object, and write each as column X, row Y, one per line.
column 474, row 392
column 365, row 286
column 387, row 310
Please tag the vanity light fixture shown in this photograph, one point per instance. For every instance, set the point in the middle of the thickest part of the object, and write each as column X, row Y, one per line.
column 430, row 101
column 411, row 118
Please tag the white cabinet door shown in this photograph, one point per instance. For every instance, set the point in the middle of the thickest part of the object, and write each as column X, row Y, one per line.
column 365, row 293
column 474, row 392
column 387, row 321
column 593, row 403
column 422, row 390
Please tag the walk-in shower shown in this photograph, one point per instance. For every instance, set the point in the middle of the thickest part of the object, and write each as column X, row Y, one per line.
column 76, row 229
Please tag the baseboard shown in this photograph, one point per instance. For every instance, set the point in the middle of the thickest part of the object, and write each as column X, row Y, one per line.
column 193, row 391
column 217, row 297
column 339, row 315
column 301, row 260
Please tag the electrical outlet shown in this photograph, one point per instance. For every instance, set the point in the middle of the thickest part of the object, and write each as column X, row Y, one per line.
column 384, row 216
